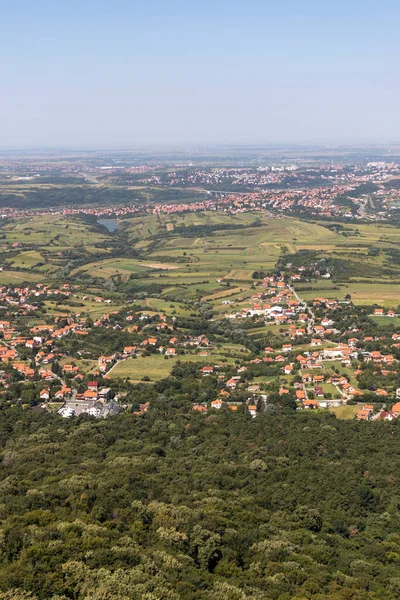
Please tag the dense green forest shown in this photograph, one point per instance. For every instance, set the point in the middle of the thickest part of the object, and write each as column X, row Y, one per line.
column 178, row 505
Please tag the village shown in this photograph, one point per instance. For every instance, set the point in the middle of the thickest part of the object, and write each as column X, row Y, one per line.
column 321, row 356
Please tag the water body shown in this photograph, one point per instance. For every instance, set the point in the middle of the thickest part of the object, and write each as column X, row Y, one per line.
column 111, row 224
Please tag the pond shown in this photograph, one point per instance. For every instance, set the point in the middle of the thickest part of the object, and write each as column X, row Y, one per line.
column 111, row 224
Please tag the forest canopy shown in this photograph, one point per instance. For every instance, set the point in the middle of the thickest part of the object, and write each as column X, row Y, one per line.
column 175, row 504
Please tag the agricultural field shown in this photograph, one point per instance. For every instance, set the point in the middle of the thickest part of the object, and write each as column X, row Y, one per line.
column 387, row 295
column 123, row 267
column 156, row 305
column 19, row 277
column 50, row 231
column 158, row 252
column 384, row 294
column 89, row 308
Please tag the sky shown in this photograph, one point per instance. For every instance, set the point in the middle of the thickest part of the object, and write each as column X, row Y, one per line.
column 85, row 74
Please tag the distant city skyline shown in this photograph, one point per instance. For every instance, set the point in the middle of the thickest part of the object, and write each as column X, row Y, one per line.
column 140, row 74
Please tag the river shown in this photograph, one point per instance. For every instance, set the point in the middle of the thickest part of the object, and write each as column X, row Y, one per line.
column 111, row 224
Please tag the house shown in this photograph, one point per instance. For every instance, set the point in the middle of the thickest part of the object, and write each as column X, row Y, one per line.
column 129, row 350
column 253, row 388
column 386, row 415
column 32, row 344
column 332, row 353
column 396, row 409
column 89, row 395
column 70, row 369
column 287, row 369
column 217, row 403
column 104, row 394
column 231, row 383
column 144, row 407
column 44, row 394
column 388, row 359
column 380, row 392
column 364, row 415
column 252, row 410
column 310, row 404
column 207, row 370
column 92, row 386
column 46, row 375
column 48, row 359
column 326, row 322
column 375, row 356
column 200, row 407
column 170, row 352
column 64, row 391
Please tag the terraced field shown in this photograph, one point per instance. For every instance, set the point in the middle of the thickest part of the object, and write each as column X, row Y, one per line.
column 122, row 266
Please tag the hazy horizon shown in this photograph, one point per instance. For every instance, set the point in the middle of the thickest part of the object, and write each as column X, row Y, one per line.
column 122, row 76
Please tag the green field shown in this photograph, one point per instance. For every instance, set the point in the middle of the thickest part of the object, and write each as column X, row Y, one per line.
column 386, row 321
column 157, row 367
column 383, row 294
column 87, row 308
column 345, row 411
column 18, row 277
column 346, row 371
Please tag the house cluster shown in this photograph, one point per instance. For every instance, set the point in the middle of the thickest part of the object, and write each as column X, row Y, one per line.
column 368, row 412
column 313, row 374
column 24, row 296
column 276, row 303
column 380, row 312
column 94, row 401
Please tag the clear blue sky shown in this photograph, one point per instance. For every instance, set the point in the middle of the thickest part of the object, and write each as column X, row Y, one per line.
column 128, row 73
